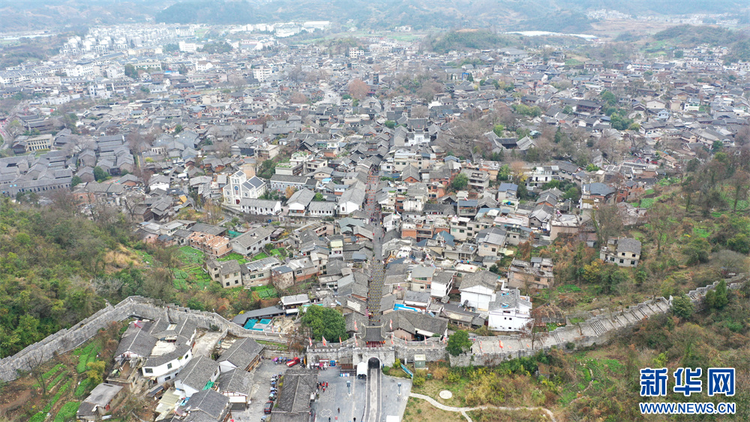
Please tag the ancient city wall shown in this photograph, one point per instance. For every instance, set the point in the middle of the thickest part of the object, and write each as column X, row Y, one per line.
column 66, row 340
column 598, row 329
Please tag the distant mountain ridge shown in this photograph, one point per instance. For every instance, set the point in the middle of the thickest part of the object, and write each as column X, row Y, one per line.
column 557, row 15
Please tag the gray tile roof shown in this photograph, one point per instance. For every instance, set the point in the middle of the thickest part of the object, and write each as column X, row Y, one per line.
column 137, row 341
column 206, row 405
column 628, row 245
column 242, row 353
column 198, row 372
column 236, row 381
column 294, row 396
column 479, row 278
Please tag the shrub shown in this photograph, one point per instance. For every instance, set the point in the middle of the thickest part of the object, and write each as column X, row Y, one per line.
column 82, row 387
column 397, row 363
column 386, row 369
column 39, row 417
column 440, row 373
column 570, row 345
column 418, row 380
column 453, row 377
column 67, row 412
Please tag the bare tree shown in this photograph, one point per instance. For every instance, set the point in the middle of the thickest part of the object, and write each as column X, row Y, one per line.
column 607, row 222
column 739, row 183
column 297, row 98
column 35, row 362
column 358, row 89
column 419, row 112
column 660, row 223
column 536, row 330
column 64, row 201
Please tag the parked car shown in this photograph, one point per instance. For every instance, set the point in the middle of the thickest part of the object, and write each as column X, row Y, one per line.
column 293, row 362
column 268, row 407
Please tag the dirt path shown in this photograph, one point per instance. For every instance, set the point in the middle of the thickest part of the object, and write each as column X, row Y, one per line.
column 463, row 410
column 19, row 400
column 591, row 382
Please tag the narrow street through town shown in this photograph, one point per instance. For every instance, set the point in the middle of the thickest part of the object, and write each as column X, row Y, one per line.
column 375, row 288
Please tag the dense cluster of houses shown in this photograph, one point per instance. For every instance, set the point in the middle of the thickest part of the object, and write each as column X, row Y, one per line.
column 283, row 141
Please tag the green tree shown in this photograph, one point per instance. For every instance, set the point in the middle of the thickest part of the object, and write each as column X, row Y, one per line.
column 325, row 322
column 532, row 155
column 697, row 251
column 100, row 174
column 682, row 307
column 390, row 124
column 460, row 181
column 572, row 193
column 267, row 169
column 609, row 98
column 498, row 129
column 523, row 192
column 718, row 298
column 75, row 181
column 178, row 129
column 130, row 71
column 318, row 197
column 95, row 373
column 458, row 342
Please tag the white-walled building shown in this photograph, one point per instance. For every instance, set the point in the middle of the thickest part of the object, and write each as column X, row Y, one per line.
column 509, row 311
column 240, row 187
column 478, row 290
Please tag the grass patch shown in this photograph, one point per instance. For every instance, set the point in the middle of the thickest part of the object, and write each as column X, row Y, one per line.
column 260, row 256
column 190, row 255
column 57, row 379
column 576, row 320
column 38, row 417
column 82, row 388
column 701, row 232
column 418, row 410
column 648, row 202
column 144, row 256
column 265, row 292
column 281, row 346
column 191, row 278
column 86, row 355
column 54, row 400
column 47, row 375
column 67, row 412
column 569, row 288
column 234, row 256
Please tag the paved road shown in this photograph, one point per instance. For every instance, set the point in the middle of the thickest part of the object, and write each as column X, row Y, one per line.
column 374, row 388
column 259, row 392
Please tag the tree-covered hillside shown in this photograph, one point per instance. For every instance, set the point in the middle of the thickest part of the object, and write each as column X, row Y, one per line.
column 58, row 267
column 47, row 257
